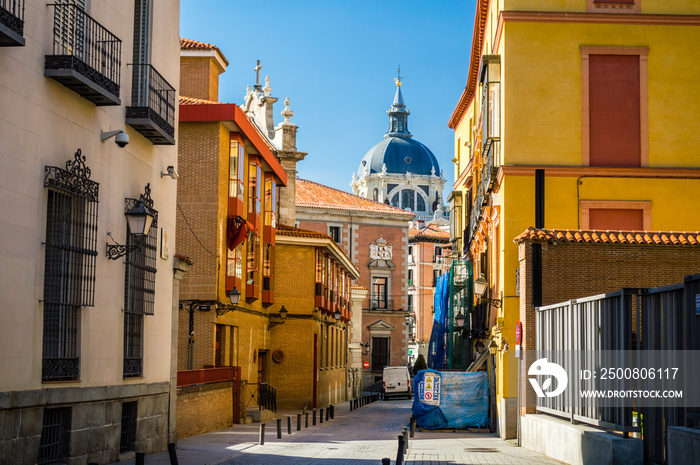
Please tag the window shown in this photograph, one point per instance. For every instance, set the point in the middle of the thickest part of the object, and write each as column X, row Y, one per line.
column 437, row 254
column 334, row 232
column 270, row 203
column 410, row 277
column 375, row 195
column 379, row 292
column 380, row 353
column 142, row 50
column 436, row 275
column 410, row 303
column 268, row 271
column 128, row 433
column 55, row 436
column 69, row 268
column 613, row 6
column 252, row 262
column 254, row 191
column 407, row 196
column 140, row 284
column 616, row 215
column 615, row 106
column 235, row 185
column 234, row 267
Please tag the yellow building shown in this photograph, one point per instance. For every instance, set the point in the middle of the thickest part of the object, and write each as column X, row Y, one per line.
column 227, row 201
column 310, row 348
column 576, row 115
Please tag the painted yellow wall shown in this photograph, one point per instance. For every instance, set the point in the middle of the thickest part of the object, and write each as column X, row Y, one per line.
column 542, row 90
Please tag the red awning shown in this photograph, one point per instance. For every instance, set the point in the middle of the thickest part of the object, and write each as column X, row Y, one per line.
column 236, row 231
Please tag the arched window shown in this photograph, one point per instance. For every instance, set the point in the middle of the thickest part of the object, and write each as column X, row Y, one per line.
column 407, row 199
column 395, row 200
column 420, row 203
column 375, row 195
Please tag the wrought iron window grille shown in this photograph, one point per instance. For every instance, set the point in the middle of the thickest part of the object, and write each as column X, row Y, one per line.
column 69, row 267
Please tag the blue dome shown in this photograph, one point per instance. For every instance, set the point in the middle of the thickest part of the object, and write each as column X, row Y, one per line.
column 401, row 155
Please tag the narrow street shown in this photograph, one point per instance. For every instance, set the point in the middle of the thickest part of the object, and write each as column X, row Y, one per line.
column 361, row 437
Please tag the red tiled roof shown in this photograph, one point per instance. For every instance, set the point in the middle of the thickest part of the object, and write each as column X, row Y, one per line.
column 312, row 194
column 429, row 230
column 284, row 230
column 188, row 44
column 196, row 101
column 609, row 237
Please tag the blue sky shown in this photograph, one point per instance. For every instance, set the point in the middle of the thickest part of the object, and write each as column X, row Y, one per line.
column 336, row 61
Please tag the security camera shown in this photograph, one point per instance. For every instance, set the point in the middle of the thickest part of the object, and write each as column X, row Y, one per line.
column 121, row 139
column 171, row 172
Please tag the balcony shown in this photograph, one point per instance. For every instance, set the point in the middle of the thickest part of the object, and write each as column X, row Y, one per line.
column 152, row 110
column 11, row 23
column 380, row 304
column 85, row 57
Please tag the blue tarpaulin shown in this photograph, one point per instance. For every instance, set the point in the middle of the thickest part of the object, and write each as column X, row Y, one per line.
column 439, row 346
column 460, row 400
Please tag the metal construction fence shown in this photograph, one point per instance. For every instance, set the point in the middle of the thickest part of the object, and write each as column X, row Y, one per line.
column 640, row 320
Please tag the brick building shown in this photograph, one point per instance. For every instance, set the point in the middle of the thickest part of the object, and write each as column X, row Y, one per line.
column 87, row 300
column 428, row 251
column 310, row 348
column 227, row 200
column 375, row 236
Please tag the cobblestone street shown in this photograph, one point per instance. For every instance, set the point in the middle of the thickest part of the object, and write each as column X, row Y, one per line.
column 361, row 437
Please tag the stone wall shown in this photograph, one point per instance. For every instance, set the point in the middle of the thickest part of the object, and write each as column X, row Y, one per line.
column 94, row 429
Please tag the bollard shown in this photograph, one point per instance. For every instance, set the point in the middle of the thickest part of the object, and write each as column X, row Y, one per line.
column 298, row 421
column 279, row 428
column 328, row 412
column 355, row 402
column 140, row 458
column 262, row 434
column 413, row 425
column 386, row 461
column 172, row 453
column 320, row 417
column 306, row 423
column 332, row 412
column 289, row 424
column 314, row 423
column 351, row 405
column 401, row 452
column 405, row 439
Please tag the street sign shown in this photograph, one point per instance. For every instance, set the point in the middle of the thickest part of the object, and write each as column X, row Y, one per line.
column 518, row 332
column 365, row 364
column 429, row 389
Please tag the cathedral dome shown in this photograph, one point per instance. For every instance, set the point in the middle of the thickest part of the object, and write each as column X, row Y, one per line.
column 398, row 151
column 400, row 155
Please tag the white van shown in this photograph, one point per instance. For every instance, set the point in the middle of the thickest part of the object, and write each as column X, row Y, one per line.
column 396, row 382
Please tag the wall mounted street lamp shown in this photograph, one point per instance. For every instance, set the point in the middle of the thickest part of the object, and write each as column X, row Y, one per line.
column 337, row 315
column 480, row 286
column 139, row 218
column 460, row 320
column 493, row 347
column 282, row 315
column 365, row 348
column 479, row 347
column 234, row 296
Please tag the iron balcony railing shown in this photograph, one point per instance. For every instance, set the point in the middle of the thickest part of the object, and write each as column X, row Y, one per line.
column 152, row 110
column 85, row 56
column 380, row 303
column 11, row 23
